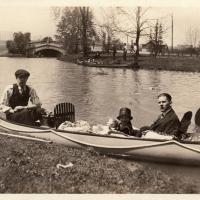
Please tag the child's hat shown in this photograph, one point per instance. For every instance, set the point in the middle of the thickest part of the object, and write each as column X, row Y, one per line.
column 125, row 112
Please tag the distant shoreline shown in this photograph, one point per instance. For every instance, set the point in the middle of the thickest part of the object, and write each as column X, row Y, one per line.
column 12, row 55
column 166, row 63
column 172, row 63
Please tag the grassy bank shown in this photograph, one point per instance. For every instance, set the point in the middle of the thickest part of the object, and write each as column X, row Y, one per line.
column 173, row 63
column 187, row 64
column 32, row 167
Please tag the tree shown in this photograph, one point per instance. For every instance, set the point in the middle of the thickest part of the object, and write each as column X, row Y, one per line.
column 19, row 43
column 138, row 25
column 75, row 28
column 87, row 30
column 68, row 29
column 104, row 40
column 108, row 27
column 192, row 36
column 156, row 39
column 11, row 46
column 47, row 39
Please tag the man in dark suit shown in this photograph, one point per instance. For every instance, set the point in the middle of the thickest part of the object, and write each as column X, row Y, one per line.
column 167, row 122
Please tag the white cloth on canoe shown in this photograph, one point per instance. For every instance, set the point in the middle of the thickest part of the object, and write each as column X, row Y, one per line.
column 79, row 126
column 155, row 135
column 100, row 129
column 83, row 126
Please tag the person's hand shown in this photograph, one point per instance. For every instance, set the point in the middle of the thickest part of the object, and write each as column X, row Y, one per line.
column 10, row 111
column 18, row 108
column 144, row 132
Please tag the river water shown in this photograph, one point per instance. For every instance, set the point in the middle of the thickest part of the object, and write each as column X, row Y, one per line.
column 99, row 93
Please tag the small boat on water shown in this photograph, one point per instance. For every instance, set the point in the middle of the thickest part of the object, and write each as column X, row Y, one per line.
column 161, row 150
column 104, row 65
column 90, row 64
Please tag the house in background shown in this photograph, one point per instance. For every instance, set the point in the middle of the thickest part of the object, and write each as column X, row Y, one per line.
column 149, row 46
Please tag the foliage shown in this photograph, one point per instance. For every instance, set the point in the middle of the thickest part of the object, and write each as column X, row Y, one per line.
column 47, row 39
column 68, row 29
column 87, row 29
column 11, row 46
column 75, row 29
column 19, row 43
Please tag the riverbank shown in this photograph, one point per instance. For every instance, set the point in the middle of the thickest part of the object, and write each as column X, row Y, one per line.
column 36, row 167
column 172, row 63
column 12, row 55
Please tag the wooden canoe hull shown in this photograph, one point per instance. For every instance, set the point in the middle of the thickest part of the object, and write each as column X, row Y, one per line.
column 167, row 151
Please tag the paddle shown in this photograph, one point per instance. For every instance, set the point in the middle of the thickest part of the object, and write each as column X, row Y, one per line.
column 184, row 124
column 185, row 121
column 197, row 118
column 196, row 131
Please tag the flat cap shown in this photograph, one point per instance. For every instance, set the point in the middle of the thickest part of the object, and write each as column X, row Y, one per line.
column 21, row 73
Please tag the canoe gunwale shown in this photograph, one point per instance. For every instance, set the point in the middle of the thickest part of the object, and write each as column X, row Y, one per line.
column 44, row 130
column 53, row 130
column 130, row 147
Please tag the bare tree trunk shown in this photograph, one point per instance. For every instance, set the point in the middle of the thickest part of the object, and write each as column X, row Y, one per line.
column 84, row 15
column 138, row 31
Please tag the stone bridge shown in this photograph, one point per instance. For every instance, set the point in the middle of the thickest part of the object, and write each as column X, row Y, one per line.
column 45, row 49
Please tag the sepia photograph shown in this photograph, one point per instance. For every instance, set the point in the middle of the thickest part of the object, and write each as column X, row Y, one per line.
column 100, row 98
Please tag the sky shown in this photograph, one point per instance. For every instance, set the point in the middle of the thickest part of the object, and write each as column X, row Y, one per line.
column 38, row 21
column 37, row 18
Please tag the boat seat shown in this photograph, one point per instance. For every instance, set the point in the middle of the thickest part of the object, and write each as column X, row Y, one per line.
column 184, row 124
column 64, row 112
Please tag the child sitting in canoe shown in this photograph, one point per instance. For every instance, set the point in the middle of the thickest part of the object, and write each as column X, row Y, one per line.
column 123, row 122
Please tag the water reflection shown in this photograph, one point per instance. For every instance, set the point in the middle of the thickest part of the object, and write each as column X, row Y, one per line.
column 99, row 93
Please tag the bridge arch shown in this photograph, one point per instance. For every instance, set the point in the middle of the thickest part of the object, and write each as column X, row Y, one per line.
column 42, row 49
column 49, row 51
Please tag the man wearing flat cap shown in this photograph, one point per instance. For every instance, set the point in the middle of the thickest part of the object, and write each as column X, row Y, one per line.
column 15, row 101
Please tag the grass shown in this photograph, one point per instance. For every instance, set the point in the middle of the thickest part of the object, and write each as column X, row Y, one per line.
column 172, row 63
column 30, row 167
column 188, row 64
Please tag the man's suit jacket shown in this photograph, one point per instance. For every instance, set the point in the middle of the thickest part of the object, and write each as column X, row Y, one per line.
column 169, row 124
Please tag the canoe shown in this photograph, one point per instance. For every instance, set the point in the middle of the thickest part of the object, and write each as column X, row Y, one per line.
column 159, row 150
